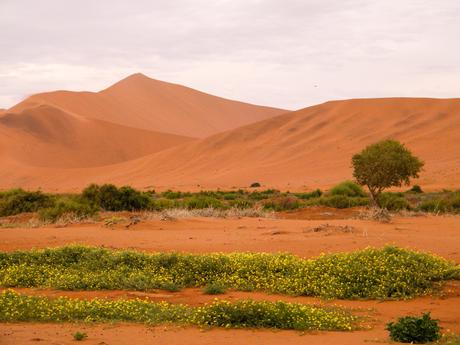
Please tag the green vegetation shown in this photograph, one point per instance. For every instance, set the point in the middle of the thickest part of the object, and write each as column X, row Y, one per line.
column 214, row 289
column 79, row 336
column 241, row 314
column 95, row 198
column 414, row 330
column 385, row 164
column 255, row 185
column 348, row 188
column 371, row 273
column 17, row 201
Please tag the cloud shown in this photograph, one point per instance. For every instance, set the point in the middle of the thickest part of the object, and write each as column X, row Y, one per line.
column 289, row 53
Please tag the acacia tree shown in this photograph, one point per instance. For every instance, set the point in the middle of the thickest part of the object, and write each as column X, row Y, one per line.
column 387, row 163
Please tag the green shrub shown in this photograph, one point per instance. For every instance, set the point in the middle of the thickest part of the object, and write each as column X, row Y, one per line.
column 311, row 195
column 66, row 207
column 255, row 185
column 200, row 202
column 15, row 307
column 348, row 188
column 110, row 198
column 343, row 201
column 17, row 201
column 214, row 289
column 370, row 273
column 393, row 201
column 282, row 203
column 414, row 330
column 448, row 203
column 169, row 194
column 415, row 189
column 79, row 336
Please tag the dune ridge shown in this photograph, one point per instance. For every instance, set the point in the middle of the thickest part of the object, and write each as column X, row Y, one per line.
column 141, row 102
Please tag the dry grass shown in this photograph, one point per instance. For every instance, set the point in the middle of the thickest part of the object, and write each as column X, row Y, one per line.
column 178, row 213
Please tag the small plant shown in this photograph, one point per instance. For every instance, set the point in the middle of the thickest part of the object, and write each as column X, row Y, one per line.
column 415, row 330
column 214, row 289
column 255, row 185
column 79, row 336
column 415, row 189
column 348, row 188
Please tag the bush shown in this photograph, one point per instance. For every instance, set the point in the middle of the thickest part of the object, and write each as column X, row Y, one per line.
column 393, row 201
column 282, row 203
column 214, row 289
column 348, row 188
column 255, row 185
column 79, row 336
column 72, row 208
column 200, row 202
column 17, row 201
column 241, row 314
column 110, row 198
column 343, row 201
column 370, row 273
column 311, row 195
column 449, row 203
column 414, row 330
column 415, row 189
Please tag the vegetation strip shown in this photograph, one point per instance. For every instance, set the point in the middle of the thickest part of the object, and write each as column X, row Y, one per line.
column 370, row 273
column 95, row 198
column 241, row 314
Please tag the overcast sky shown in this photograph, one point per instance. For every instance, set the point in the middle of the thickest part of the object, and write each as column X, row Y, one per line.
column 284, row 53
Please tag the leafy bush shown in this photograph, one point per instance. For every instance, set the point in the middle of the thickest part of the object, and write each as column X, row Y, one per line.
column 214, row 289
column 315, row 194
column 17, row 201
column 200, row 202
column 393, row 201
column 67, row 207
column 414, row 330
column 110, row 198
column 449, row 203
column 282, row 203
column 240, row 314
column 370, row 273
column 79, row 336
column 255, row 185
column 343, row 201
column 415, row 189
column 348, row 188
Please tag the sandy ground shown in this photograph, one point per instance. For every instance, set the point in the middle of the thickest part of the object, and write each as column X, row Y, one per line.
column 440, row 235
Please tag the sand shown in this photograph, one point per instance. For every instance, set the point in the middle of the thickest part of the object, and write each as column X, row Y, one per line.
column 434, row 234
column 300, row 150
column 145, row 103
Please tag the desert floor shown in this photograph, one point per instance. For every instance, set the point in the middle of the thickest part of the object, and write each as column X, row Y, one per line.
column 297, row 233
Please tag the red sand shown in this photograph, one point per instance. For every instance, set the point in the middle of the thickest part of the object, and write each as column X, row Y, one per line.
column 299, row 150
column 439, row 235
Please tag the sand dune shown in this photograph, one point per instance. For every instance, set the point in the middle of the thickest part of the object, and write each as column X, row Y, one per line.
column 46, row 136
column 141, row 102
column 305, row 149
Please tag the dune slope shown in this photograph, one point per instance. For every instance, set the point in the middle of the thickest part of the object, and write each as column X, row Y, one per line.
column 141, row 102
column 305, row 149
column 46, row 136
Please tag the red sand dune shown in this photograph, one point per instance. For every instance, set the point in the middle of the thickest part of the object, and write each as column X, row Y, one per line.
column 308, row 148
column 46, row 136
column 141, row 102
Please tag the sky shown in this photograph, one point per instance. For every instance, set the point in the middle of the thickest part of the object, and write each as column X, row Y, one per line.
column 284, row 53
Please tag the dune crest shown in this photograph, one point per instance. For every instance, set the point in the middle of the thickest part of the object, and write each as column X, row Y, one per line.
column 141, row 102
